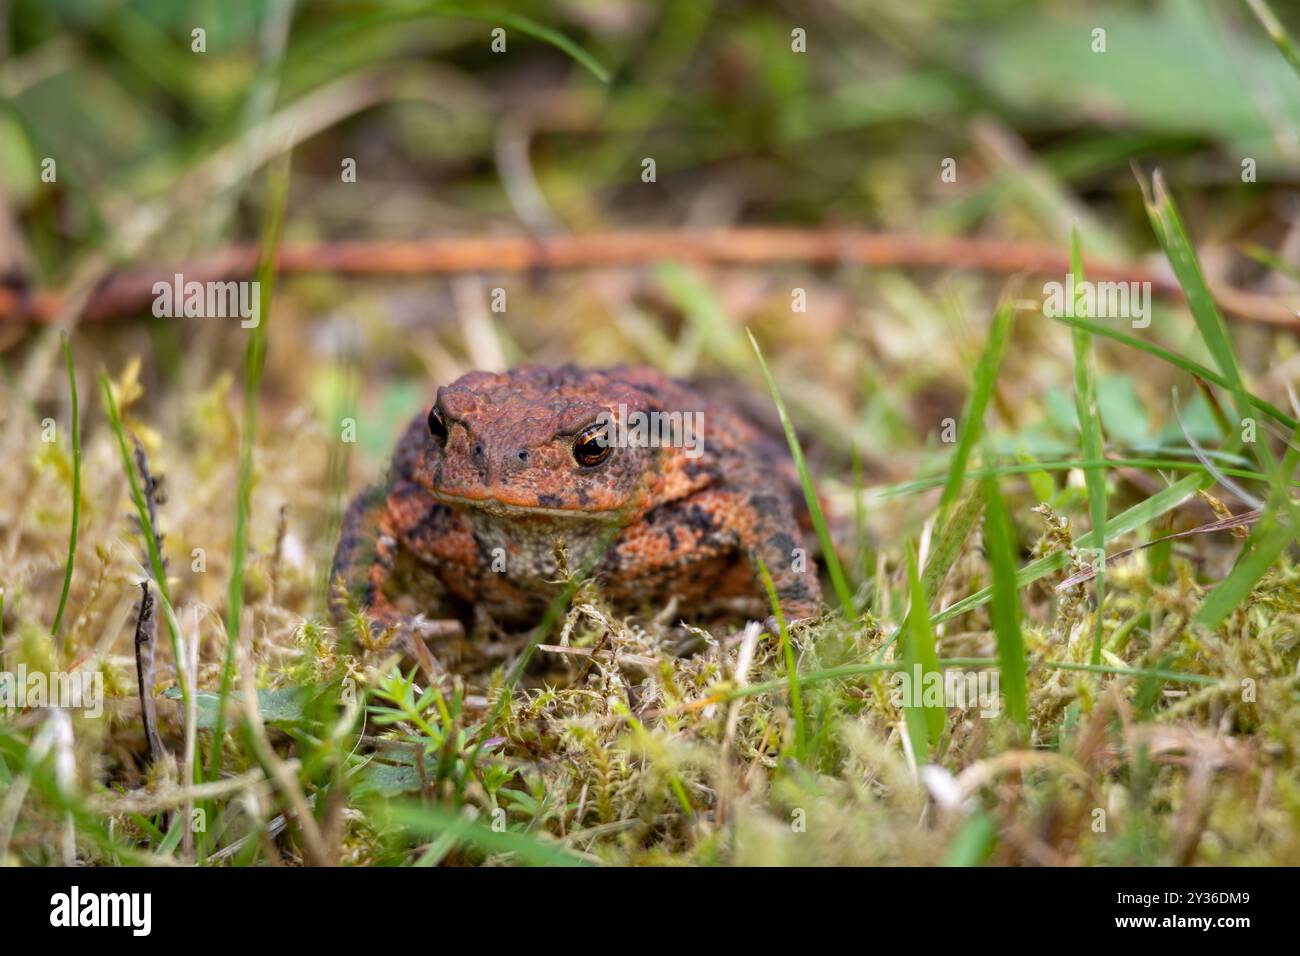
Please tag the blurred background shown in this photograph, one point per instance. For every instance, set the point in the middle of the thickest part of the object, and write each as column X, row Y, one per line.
column 160, row 147
column 137, row 140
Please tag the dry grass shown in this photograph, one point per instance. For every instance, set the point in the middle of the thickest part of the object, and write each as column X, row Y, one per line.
column 620, row 749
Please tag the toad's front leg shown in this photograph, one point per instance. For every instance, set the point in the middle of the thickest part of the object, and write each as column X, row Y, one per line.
column 383, row 525
column 364, row 559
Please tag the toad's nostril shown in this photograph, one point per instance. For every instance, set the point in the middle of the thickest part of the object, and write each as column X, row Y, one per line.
column 523, row 454
column 478, row 449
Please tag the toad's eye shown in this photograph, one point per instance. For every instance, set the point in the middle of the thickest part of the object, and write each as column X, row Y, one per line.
column 592, row 446
column 437, row 426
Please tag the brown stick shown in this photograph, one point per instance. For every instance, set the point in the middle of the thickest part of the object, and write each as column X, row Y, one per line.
column 146, row 633
column 146, row 625
column 131, row 292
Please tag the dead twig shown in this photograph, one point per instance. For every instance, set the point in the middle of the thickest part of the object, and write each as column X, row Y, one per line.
column 146, row 625
column 170, row 797
column 1225, row 524
column 131, row 292
column 146, row 633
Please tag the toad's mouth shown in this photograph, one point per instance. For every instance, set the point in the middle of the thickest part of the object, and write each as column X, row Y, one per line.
column 518, row 509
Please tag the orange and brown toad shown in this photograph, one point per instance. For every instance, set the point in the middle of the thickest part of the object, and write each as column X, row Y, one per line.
column 661, row 491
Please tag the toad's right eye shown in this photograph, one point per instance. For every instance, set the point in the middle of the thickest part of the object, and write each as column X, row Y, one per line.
column 592, row 446
column 437, row 426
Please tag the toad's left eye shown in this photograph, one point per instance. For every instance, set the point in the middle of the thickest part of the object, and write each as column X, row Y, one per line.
column 592, row 446
column 437, row 425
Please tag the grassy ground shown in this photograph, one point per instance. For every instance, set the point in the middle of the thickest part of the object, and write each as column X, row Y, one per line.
column 972, row 453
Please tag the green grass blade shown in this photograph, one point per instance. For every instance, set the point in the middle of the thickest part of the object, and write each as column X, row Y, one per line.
column 974, row 842
column 923, row 723
column 953, row 533
column 1186, row 364
column 1085, row 403
column 1276, row 32
column 1260, row 552
column 434, row 821
column 1205, row 680
column 1169, row 229
column 76, row 488
column 1069, row 464
column 1267, row 257
column 714, row 334
column 254, row 363
column 972, row 419
column 862, row 557
column 1140, row 514
column 791, row 667
column 1168, row 226
column 352, row 30
column 1267, row 540
column 156, row 566
column 532, row 28
column 838, row 580
column 849, row 671
column 1006, row 605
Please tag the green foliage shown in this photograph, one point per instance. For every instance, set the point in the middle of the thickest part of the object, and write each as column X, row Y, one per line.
column 75, row 427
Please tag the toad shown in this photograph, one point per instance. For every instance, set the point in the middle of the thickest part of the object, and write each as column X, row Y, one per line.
column 510, row 481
